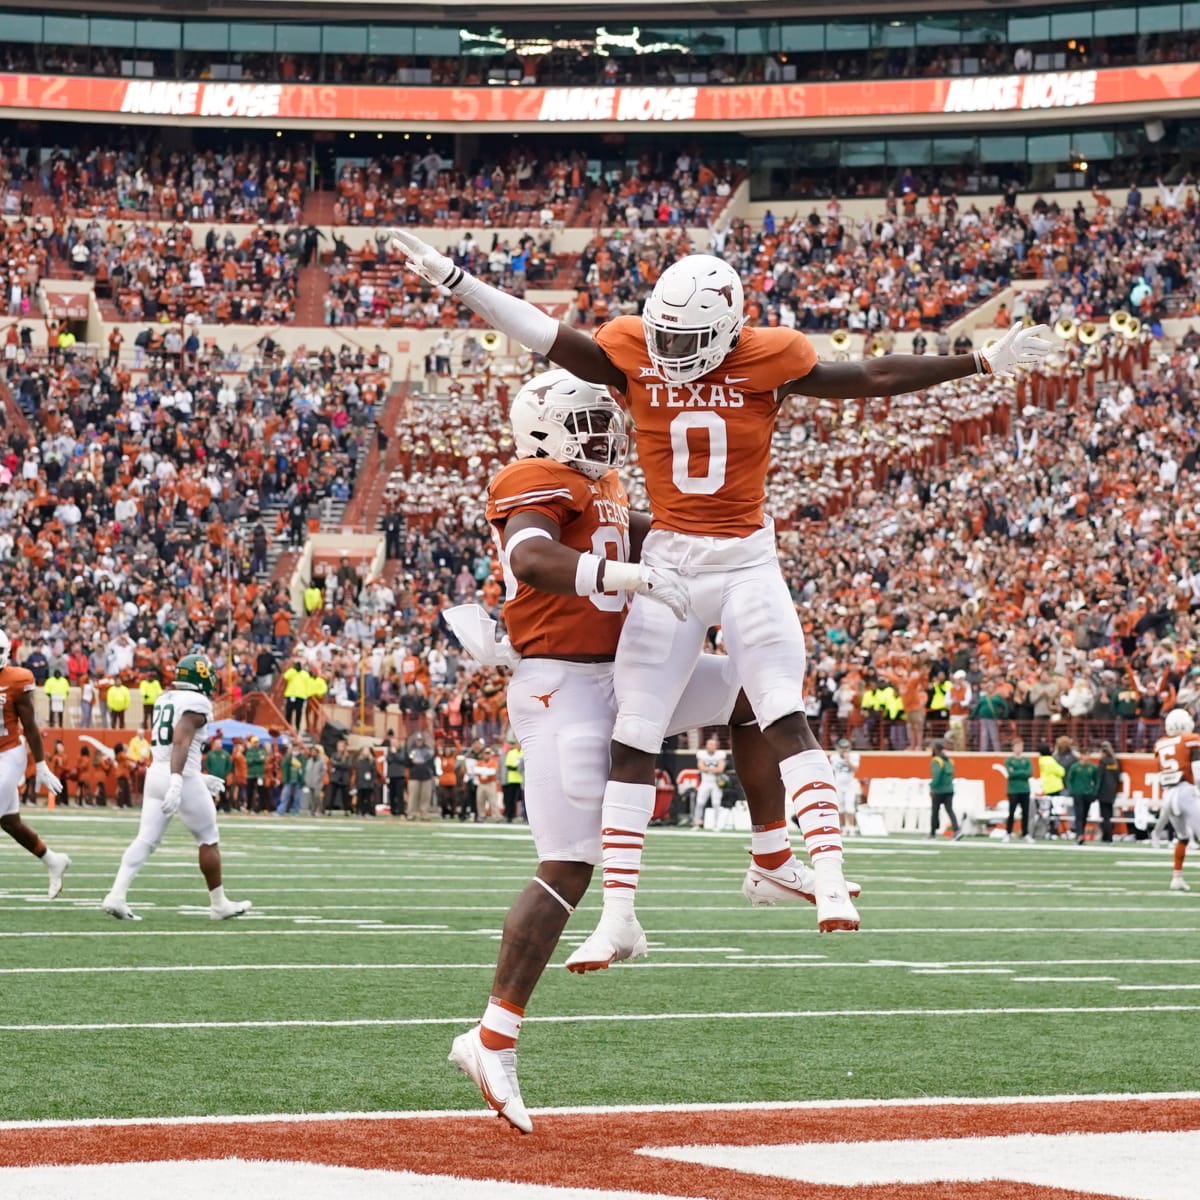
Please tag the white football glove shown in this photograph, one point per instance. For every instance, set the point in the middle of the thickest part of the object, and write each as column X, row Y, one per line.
column 1019, row 347
column 214, row 783
column 46, row 778
column 429, row 263
column 666, row 587
column 174, row 796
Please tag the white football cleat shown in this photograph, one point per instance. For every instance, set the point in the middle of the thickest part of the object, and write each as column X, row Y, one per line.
column 793, row 883
column 230, row 908
column 835, row 912
column 615, row 939
column 1179, row 884
column 494, row 1072
column 116, row 907
column 57, row 865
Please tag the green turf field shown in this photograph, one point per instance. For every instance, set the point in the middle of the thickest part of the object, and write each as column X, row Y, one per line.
column 982, row 969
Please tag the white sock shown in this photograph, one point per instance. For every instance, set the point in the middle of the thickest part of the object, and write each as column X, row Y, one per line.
column 812, row 798
column 51, row 859
column 217, row 896
column 624, row 817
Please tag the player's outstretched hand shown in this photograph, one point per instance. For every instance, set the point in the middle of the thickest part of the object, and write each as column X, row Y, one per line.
column 174, row 797
column 429, row 263
column 44, row 777
column 667, row 588
column 214, row 783
column 1019, row 347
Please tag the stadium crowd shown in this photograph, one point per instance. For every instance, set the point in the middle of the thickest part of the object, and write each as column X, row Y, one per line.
column 138, row 506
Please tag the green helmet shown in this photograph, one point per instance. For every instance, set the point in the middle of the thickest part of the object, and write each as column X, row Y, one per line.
column 196, row 673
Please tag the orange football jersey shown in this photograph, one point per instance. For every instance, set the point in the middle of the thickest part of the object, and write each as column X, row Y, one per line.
column 705, row 446
column 14, row 683
column 1174, row 756
column 593, row 517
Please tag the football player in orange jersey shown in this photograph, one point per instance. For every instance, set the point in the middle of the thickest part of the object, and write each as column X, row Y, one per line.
column 565, row 534
column 16, row 712
column 1177, row 755
column 704, row 393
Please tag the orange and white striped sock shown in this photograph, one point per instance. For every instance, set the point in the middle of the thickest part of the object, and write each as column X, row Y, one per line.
column 812, row 798
column 501, row 1024
column 624, row 817
column 770, row 846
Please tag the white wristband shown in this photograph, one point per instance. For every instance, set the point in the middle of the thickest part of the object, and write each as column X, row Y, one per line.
column 586, row 572
column 176, row 779
column 621, row 576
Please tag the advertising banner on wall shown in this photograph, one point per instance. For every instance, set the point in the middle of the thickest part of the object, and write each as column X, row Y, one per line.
column 740, row 105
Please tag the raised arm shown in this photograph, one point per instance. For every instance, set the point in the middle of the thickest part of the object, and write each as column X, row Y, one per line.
column 521, row 320
column 894, row 374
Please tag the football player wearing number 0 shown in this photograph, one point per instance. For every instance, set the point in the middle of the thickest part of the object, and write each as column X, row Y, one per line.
column 704, row 393
column 1178, row 755
column 175, row 784
column 566, row 535
column 16, row 715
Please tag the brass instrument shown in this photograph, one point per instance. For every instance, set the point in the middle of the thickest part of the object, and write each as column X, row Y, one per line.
column 1119, row 320
column 1066, row 328
column 1131, row 329
column 840, row 339
column 877, row 348
column 490, row 340
column 1089, row 333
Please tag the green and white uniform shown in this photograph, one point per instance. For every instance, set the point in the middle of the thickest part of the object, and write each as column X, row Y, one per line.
column 196, row 810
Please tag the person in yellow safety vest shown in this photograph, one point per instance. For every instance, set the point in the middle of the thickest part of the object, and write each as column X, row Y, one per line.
column 117, row 701
column 893, row 708
column 514, row 780
column 57, row 689
column 296, row 684
column 150, row 689
column 939, row 702
column 872, row 706
column 314, row 599
column 317, row 688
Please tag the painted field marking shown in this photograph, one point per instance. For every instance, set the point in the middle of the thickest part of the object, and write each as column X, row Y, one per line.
column 603, row 1110
column 445, row 931
column 1158, row 987
column 599, row 1018
column 735, row 960
column 1064, row 979
column 961, row 971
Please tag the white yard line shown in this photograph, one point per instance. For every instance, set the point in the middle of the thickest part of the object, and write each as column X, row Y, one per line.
column 600, row 1018
column 442, row 931
column 736, row 959
column 1064, row 979
column 606, row 1110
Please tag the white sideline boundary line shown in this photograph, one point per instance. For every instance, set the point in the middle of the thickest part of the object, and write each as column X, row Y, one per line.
column 600, row 1018
column 767, row 960
column 606, row 1110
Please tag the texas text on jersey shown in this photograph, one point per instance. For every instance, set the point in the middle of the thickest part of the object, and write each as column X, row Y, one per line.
column 14, row 683
column 593, row 517
column 1175, row 759
column 689, row 433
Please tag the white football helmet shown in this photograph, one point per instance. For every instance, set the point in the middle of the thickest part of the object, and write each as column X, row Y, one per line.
column 5, row 650
column 1178, row 721
column 693, row 317
column 557, row 416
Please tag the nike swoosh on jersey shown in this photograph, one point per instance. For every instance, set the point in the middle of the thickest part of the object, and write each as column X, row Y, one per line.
column 737, row 378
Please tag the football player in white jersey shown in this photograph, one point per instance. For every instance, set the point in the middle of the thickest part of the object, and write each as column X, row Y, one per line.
column 711, row 762
column 175, row 784
column 844, row 762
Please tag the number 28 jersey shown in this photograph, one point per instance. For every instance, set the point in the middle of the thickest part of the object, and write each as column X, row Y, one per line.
column 705, row 446
column 593, row 518
column 168, row 708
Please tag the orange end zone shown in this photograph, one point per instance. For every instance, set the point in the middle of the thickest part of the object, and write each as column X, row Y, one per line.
column 599, row 1150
